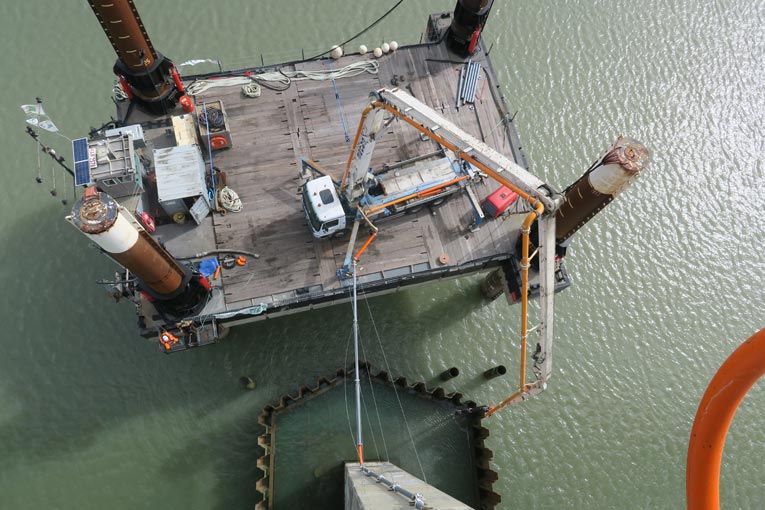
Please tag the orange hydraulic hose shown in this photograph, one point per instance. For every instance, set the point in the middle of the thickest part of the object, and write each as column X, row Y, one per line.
column 360, row 449
column 364, row 114
column 365, row 246
column 539, row 209
column 526, row 229
column 419, row 194
column 718, row 406
column 512, row 398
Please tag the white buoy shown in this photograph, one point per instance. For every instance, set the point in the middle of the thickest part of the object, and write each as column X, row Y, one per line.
column 377, row 52
column 336, row 52
column 385, row 47
column 393, row 46
column 362, row 49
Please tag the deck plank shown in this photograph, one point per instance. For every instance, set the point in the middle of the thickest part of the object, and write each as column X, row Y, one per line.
column 273, row 132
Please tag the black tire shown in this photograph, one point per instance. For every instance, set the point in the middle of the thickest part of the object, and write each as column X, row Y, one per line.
column 438, row 202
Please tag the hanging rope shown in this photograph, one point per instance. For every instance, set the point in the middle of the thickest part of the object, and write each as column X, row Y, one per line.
column 53, row 192
column 119, row 93
column 340, row 107
column 374, row 399
column 371, row 429
column 64, row 200
column 377, row 411
column 39, row 179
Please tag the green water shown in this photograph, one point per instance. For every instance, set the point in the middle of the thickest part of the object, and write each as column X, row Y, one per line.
column 320, row 428
column 666, row 282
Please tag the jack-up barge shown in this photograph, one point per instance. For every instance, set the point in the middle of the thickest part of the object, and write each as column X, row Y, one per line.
column 239, row 195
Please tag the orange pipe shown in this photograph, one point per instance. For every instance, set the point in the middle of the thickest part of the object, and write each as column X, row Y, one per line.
column 419, row 194
column 539, row 209
column 512, row 398
column 360, row 451
column 364, row 247
column 718, row 406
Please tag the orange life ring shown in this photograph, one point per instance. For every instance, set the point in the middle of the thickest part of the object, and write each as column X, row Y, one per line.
column 148, row 222
column 168, row 340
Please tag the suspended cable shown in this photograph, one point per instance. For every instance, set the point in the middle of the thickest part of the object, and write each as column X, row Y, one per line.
column 53, row 191
column 378, row 20
column 395, row 391
column 377, row 411
column 340, row 107
column 371, row 429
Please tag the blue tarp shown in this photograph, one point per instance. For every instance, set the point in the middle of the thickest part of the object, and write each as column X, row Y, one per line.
column 208, row 266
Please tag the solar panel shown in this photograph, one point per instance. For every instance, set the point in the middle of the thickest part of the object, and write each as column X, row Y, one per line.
column 81, row 161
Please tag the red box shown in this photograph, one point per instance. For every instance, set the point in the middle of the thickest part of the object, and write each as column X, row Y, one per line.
column 498, row 202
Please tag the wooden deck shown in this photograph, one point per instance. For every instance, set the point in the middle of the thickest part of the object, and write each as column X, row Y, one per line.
column 270, row 135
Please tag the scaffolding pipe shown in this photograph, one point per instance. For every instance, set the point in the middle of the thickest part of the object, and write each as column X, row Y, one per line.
column 468, row 82
column 472, row 83
column 459, row 85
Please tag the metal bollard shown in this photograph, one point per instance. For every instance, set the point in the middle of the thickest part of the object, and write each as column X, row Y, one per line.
column 449, row 374
column 495, row 372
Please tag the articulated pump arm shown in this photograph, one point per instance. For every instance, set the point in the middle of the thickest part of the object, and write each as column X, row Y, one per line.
column 355, row 176
column 500, row 168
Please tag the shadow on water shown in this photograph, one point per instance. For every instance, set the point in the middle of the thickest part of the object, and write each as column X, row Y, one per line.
column 410, row 318
column 72, row 361
column 77, row 369
column 230, row 454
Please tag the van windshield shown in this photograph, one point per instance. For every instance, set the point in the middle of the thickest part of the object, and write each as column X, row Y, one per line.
column 315, row 223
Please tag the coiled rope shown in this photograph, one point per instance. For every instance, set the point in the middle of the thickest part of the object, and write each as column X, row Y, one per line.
column 229, row 200
column 281, row 80
column 119, row 94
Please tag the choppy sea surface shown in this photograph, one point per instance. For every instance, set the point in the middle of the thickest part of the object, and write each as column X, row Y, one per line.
column 667, row 281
